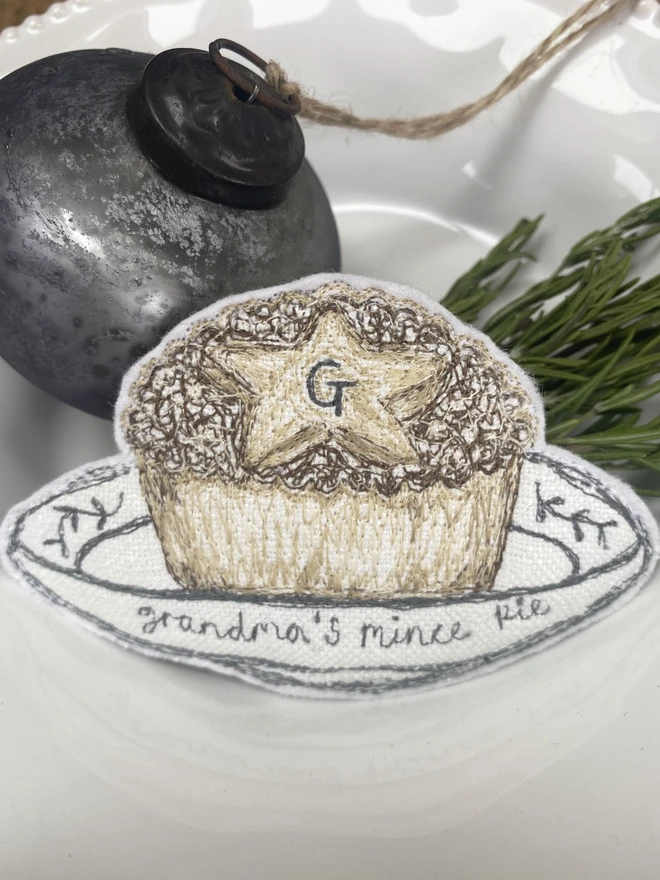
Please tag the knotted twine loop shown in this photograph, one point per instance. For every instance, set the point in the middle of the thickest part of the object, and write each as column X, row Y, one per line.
column 587, row 18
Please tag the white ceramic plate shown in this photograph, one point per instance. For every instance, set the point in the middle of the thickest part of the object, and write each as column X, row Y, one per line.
column 114, row 765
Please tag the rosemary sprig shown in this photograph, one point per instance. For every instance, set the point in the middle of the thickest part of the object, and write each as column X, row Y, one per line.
column 589, row 334
column 471, row 293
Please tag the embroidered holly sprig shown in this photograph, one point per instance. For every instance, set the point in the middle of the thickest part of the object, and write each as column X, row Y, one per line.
column 70, row 519
column 579, row 519
column 589, row 334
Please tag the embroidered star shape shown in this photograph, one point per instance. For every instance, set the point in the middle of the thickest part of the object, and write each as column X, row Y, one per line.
column 330, row 388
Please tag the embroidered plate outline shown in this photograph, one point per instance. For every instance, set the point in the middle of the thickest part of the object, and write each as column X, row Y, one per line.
column 338, row 679
column 333, row 488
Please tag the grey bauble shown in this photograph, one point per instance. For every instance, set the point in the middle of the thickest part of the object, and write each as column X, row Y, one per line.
column 112, row 231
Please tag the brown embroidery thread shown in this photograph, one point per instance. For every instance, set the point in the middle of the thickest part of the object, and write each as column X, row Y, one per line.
column 189, row 413
column 423, row 508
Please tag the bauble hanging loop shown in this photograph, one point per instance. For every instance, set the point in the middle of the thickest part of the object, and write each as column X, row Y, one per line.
column 262, row 92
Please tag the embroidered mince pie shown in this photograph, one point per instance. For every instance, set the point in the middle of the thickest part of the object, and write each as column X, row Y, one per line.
column 340, row 443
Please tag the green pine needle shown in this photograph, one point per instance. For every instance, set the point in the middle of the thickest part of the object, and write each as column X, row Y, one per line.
column 589, row 334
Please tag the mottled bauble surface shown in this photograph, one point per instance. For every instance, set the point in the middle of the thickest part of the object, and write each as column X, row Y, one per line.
column 100, row 255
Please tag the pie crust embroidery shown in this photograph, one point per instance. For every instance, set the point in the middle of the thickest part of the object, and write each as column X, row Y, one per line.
column 334, row 443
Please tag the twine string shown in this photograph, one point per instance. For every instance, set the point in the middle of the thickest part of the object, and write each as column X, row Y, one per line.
column 589, row 16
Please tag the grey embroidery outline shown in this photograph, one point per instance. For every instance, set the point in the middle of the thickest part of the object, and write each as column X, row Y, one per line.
column 337, row 400
column 277, row 674
column 579, row 519
column 71, row 515
column 267, row 672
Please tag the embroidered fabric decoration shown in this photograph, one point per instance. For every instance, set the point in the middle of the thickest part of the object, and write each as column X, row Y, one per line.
column 333, row 488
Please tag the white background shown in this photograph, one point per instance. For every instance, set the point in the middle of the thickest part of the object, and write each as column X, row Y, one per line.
column 111, row 765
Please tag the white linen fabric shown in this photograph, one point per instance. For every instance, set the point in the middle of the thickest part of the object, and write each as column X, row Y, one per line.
column 580, row 543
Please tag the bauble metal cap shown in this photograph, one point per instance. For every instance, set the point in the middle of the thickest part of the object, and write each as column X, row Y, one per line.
column 216, row 128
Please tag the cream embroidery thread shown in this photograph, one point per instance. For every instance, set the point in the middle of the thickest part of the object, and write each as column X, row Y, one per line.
column 399, row 479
